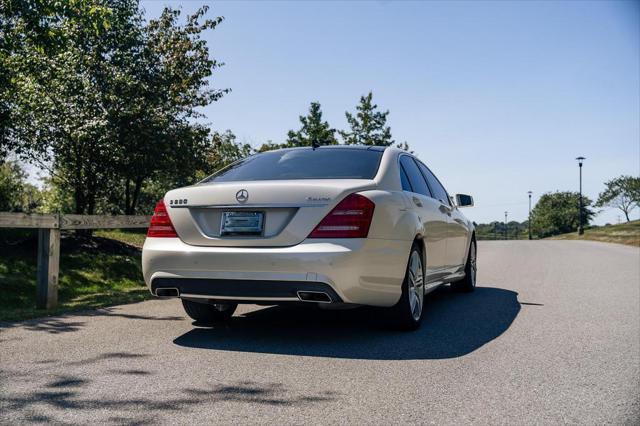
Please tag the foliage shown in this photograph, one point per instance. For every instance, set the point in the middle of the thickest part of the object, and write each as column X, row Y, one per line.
column 622, row 193
column 172, row 81
column 54, row 198
column 496, row 230
column 405, row 146
column 12, row 181
column 313, row 131
column 270, row 146
column 35, row 26
column 16, row 195
column 113, row 105
column 368, row 125
column 226, row 150
column 559, row 212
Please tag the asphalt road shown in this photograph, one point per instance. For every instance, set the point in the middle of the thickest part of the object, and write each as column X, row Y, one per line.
column 552, row 335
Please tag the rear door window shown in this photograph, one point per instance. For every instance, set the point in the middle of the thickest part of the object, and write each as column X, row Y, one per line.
column 418, row 184
column 439, row 192
column 404, row 179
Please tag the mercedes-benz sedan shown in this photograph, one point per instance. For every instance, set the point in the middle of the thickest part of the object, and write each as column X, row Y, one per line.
column 335, row 225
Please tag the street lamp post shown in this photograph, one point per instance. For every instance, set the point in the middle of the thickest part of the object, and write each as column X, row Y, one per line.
column 506, row 237
column 529, row 192
column 580, row 226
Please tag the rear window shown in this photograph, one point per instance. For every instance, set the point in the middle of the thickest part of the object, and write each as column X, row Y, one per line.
column 322, row 163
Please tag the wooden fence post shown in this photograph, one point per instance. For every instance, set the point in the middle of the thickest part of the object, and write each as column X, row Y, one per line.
column 49, row 227
column 48, row 267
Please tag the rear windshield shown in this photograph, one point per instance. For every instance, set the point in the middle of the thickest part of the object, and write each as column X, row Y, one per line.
column 322, row 163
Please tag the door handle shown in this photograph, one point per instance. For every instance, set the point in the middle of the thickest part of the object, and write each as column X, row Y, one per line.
column 445, row 209
column 417, row 201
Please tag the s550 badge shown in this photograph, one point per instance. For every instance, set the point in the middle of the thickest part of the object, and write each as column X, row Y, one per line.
column 178, row 202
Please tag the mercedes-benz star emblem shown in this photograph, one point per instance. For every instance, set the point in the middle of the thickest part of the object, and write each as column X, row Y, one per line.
column 242, row 196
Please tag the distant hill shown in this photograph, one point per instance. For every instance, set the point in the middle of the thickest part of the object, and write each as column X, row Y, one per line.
column 624, row 233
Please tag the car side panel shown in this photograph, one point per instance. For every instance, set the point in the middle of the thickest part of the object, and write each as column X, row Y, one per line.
column 459, row 237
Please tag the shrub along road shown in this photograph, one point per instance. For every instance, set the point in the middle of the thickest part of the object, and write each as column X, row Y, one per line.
column 550, row 336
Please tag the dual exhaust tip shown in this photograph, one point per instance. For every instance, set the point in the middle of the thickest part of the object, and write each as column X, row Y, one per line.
column 314, row 296
column 304, row 296
column 167, row 292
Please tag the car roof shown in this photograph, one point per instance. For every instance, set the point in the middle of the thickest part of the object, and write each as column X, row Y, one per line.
column 325, row 147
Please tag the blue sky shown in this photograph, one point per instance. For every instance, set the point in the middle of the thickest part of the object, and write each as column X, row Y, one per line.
column 498, row 98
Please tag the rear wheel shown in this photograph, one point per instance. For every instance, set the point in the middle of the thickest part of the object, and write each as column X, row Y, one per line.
column 468, row 283
column 208, row 313
column 407, row 313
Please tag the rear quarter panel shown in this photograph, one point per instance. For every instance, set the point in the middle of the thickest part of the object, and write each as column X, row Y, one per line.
column 391, row 219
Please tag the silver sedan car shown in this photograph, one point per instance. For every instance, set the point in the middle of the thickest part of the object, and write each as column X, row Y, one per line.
column 331, row 226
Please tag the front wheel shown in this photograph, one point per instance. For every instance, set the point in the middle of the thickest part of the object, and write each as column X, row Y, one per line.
column 407, row 313
column 468, row 283
column 209, row 313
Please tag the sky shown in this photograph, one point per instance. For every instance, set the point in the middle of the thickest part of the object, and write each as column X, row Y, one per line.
column 497, row 98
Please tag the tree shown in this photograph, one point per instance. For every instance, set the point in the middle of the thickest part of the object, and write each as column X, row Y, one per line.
column 114, row 105
column 368, row 126
column 622, row 193
column 405, row 146
column 226, row 150
column 172, row 82
column 270, row 146
column 35, row 25
column 12, row 181
column 16, row 195
column 559, row 212
column 313, row 130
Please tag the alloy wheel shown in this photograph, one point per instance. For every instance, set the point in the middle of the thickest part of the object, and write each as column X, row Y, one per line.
column 416, row 285
column 473, row 267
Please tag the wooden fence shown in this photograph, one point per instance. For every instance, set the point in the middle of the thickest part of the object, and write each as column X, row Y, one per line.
column 49, row 227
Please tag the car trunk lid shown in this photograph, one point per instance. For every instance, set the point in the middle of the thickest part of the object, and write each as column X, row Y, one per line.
column 285, row 211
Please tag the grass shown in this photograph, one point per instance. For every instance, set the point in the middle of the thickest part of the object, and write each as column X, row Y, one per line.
column 132, row 238
column 625, row 233
column 95, row 272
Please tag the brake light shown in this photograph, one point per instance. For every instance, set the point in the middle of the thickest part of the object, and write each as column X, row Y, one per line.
column 351, row 218
column 161, row 225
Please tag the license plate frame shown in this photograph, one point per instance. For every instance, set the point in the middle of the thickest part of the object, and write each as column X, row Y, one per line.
column 242, row 223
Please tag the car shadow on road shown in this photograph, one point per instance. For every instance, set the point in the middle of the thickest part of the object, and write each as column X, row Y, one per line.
column 454, row 325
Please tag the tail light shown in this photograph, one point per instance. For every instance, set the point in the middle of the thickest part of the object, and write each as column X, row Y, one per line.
column 351, row 218
column 161, row 225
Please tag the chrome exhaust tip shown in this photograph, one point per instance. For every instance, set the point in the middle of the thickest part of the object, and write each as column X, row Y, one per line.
column 314, row 296
column 167, row 292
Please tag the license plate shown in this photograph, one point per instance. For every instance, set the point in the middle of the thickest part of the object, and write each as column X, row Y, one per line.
column 242, row 223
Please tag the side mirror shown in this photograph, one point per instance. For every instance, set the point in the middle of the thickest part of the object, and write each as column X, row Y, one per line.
column 463, row 200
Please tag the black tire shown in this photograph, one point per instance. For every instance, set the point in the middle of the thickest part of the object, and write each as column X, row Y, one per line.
column 404, row 312
column 209, row 313
column 468, row 283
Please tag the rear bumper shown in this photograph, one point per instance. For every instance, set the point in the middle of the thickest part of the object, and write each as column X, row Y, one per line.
column 245, row 290
column 360, row 271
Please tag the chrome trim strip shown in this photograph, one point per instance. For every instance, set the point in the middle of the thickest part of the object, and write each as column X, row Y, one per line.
column 245, row 206
column 265, row 299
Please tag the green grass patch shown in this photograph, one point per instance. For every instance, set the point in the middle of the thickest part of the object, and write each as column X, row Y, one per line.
column 624, row 233
column 95, row 272
column 133, row 238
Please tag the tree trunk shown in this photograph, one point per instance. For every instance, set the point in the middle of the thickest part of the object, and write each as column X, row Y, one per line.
column 136, row 194
column 127, row 196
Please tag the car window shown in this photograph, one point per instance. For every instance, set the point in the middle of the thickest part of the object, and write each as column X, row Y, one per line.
column 406, row 186
column 438, row 190
column 321, row 163
column 418, row 184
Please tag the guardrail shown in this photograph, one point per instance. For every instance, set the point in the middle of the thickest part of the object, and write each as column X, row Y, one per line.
column 49, row 227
